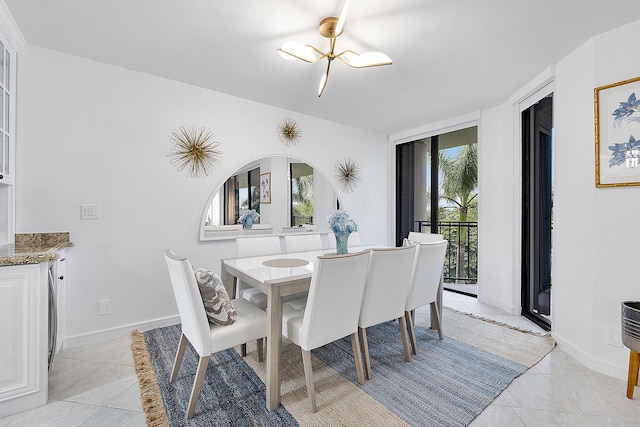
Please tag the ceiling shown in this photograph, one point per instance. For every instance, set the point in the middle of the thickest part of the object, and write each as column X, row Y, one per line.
column 450, row 57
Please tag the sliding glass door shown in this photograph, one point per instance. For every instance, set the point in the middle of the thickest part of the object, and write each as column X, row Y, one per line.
column 537, row 209
column 436, row 192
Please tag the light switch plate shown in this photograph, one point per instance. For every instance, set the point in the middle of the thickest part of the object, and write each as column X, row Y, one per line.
column 89, row 211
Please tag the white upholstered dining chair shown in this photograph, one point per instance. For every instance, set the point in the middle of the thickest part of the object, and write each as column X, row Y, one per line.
column 331, row 311
column 423, row 288
column 302, row 242
column 415, row 237
column 205, row 337
column 249, row 247
column 385, row 295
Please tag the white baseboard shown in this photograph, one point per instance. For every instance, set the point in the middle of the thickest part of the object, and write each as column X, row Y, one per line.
column 596, row 364
column 514, row 311
column 120, row 331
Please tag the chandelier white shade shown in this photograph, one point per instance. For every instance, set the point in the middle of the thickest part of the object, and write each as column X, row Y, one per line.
column 296, row 50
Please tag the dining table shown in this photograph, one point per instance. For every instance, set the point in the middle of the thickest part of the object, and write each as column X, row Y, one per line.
column 278, row 276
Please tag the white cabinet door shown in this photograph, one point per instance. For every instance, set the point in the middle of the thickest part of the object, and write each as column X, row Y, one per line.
column 23, row 337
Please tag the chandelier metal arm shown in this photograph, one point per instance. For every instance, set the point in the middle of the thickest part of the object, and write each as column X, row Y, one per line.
column 344, row 61
column 332, row 46
column 319, row 52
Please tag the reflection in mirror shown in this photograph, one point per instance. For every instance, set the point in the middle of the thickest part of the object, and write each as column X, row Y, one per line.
column 300, row 197
column 301, row 194
column 240, row 194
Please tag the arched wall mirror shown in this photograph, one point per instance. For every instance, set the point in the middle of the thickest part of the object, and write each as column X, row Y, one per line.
column 287, row 192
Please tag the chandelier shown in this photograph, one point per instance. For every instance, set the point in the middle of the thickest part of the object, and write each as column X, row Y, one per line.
column 332, row 28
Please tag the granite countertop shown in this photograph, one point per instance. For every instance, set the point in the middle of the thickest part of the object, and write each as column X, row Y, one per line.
column 34, row 248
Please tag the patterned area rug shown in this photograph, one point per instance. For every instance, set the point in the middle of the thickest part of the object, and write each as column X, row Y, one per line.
column 448, row 383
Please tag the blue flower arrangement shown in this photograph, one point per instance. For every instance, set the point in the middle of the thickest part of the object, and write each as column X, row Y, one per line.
column 249, row 218
column 342, row 226
column 339, row 222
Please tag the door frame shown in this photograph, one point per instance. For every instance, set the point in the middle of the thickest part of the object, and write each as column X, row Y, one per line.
column 535, row 218
column 541, row 87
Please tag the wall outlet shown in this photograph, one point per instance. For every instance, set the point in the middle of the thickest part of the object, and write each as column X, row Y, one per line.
column 104, row 307
column 614, row 337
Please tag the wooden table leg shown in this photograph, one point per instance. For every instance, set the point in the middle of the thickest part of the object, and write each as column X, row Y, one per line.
column 228, row 280
column 274, row 341
column 632, row 380
column 438, row 313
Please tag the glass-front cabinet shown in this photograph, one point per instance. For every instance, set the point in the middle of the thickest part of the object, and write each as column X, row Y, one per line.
column 10, row 42
column 7, row 112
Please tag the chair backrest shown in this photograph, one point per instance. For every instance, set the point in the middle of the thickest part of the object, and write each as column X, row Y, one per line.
column 257, row 246
column 424, row 237
column 427, row 271
column 387, row 284
column 335, row 296
column 354, row 240
column 302, row 242
column 195, row 325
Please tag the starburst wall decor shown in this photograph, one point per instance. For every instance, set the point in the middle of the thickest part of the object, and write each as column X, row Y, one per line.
column 194, row 149
column 348, row 173
column 289, row 132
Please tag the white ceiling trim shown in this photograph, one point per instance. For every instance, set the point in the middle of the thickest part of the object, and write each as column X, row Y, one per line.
column 530, row 93
column 438, row 128
column 9, row 29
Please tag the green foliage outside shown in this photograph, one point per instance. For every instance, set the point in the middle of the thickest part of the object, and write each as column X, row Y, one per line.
column 459, row 192
column 302, row 194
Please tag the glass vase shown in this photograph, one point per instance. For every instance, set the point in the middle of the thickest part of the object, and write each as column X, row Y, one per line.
column 248, row 223
column 342, row 242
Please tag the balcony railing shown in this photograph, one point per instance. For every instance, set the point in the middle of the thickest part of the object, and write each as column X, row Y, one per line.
column 462, row 249
column 297, row 220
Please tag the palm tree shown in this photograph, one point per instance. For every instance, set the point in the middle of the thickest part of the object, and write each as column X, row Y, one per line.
column 302, row 197
column 459, row 187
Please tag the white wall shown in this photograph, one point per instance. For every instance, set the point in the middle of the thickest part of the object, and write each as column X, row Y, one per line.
column 595, row 238
column 498, row 210
column 89, row 133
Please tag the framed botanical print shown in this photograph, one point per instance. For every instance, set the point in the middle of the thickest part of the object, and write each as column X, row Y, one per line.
column 617, row 131
column 265, row 187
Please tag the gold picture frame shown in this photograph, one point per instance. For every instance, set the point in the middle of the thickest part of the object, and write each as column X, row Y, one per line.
column 617, row 125
column 265, row 188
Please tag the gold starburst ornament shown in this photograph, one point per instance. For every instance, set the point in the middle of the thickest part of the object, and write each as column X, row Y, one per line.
column 194, row 149
column 348, row 174
column 289, row 132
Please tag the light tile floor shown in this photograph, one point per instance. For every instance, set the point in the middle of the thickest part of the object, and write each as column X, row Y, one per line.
column 558, row 391
column 92, row 385
column 97, row 386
